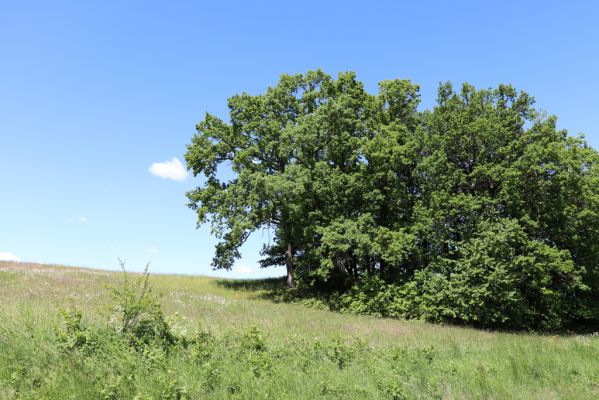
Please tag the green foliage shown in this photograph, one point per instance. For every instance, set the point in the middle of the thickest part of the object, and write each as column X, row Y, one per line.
column 138, row 314
column 479, row 211
column 253, row 340
column 73, row 335
column 500, row 278
column 203, row 346
column 342, row 353
column 372, row 296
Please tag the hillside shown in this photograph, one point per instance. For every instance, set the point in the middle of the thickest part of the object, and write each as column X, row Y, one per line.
column 239, row 344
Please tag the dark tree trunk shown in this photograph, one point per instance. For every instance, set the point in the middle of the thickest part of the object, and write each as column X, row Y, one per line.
column 289, row 265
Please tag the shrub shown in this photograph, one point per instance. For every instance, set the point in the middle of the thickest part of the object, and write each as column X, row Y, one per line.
column 138, row 313
column 72, row 335
column 500, row 278
column 372, row 296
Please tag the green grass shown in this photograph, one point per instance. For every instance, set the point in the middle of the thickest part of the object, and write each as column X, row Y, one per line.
column 243, row 346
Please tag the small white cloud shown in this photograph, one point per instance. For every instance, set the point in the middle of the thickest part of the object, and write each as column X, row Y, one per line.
column 169, row 170
column 112, row 247
column 153, row 250
column 83, row 220
column 242, row 269
column 9, row 257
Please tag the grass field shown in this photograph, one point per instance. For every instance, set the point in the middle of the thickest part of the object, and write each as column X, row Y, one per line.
column 243, row 346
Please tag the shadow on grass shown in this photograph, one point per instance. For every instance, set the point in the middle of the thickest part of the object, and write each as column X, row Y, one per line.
column 277, row 291
column 252, row 285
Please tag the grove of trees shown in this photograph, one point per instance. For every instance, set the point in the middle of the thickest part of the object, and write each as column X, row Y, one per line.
column 479, row 211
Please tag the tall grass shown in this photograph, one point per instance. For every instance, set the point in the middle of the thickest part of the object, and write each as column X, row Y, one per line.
column 230, row 343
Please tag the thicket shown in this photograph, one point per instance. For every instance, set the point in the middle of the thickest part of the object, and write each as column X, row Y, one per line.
column 478, row 211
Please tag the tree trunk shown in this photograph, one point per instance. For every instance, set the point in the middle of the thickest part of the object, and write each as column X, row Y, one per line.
column 289, row 265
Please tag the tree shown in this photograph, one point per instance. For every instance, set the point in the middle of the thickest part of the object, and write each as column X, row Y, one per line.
column 504, row 209
column 479, row 211
column 286, row 150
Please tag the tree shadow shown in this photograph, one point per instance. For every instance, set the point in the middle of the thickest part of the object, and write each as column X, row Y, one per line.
column 252, row 285
column 276, row 291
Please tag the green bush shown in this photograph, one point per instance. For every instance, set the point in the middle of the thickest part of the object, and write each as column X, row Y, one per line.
column 500, row 277
column 372, row 296
column 138, row 313
column 72, row 335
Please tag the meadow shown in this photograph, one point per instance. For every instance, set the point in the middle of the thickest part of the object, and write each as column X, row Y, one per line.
column 230, row 340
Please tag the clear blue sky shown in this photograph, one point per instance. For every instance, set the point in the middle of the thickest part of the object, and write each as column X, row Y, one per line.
column 91, row 95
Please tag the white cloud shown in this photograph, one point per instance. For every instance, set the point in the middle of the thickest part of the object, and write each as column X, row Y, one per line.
column 83, row 220
column 112, row 247
column 153, row 250
column 242, row 269
column 9, row 257
column 169, row 170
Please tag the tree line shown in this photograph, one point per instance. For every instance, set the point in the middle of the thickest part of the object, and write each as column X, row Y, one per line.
column 477, row 211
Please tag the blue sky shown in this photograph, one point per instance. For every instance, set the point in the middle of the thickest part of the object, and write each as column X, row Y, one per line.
column 93, row 93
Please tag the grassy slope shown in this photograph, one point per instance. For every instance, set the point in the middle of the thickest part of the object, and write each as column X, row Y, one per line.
column 398, row 360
